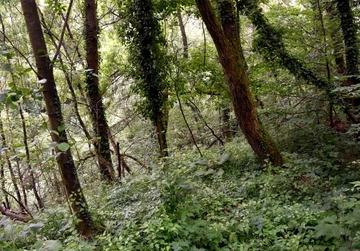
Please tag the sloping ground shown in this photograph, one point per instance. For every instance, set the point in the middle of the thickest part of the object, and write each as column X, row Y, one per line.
column 219, row 202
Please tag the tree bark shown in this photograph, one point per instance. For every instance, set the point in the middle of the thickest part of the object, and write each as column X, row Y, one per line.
column 229, row 50
column 6, row 203
column 348, row 28
column 337, row 43
column 183, row 35
column 92, row 89
column 225, row 124
column 53, row 108
column 14, row 215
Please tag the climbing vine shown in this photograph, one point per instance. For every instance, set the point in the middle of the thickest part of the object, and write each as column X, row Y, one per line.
column 143, row 36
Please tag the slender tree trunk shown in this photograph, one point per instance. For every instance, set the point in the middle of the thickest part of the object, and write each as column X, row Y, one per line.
column 53, row 108
column 75, row 98
column 228, row 46
column 16, row 159
column 321, row 32
column 2, row 177
column 92, row 88
column 225, row 124
column 185, row 56
column 183, row 35
column 10, row 167
column 27, row 152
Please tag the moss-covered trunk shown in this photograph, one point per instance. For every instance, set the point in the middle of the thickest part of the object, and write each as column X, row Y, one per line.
column 148, row 58
column 53, row 108
column 348, row 27
column 229, row 50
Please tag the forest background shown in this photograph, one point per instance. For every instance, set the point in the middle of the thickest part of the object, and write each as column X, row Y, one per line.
column 179, row 125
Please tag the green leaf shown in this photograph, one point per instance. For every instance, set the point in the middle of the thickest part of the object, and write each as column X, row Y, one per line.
column 49, row 245
column 63, row 146
column 7, row 67
column 55, row 132
column 2, row 97
column 329, row 231
column 223, row 158
column 36, row 226
column 220, row 172
column 52, row 245
column 61, row 128
column 4, row 220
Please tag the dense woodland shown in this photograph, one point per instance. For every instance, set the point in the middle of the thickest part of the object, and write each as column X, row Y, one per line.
column 179, row 125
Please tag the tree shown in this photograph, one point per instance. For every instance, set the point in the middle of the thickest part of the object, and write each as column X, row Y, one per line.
column 145, row 41
column 351, row 44
column 227, row 42
column 53, row 107
column 97, row 110
column 270, row 44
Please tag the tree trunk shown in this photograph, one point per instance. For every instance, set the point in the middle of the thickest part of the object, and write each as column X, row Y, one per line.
column 348, row 28
column 53, row 108
column 225, row 124
column 6, row 203
column 183, row 35
column 11, row 169
column 146, row 44
column 161, row 122
column 31, row 176
column 337, row 43
column 74, row 96
column 230, row 55
column 92, row 89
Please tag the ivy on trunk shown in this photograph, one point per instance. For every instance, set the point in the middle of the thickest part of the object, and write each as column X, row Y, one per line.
column 145, row 41
column 349, row 30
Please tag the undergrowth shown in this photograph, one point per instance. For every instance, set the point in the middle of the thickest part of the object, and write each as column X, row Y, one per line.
column 223, row 201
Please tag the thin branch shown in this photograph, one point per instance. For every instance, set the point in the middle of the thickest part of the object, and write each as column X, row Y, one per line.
column 15, row 48
column 63, row 31
column 206, row 124
column 13, row 215
column 185, row 120
column 19, row 202
column 134, row 158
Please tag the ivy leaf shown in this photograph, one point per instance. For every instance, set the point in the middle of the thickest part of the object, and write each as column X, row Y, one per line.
column 63, row 146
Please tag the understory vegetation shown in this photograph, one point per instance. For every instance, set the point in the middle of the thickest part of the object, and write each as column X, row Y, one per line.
column 223, row 201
